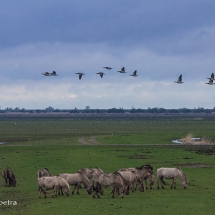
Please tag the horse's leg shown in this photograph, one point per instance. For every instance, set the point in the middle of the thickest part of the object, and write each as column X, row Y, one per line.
column 173, row 183
column 146, row 183
column 10, row 182
column 134, row 187
column 6, row 184
column 74, row 189
column 158, row 183
column 112, row 191
column 39, row 192
column 78, row 186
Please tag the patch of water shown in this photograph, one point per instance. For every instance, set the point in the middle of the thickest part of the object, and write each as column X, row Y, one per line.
column 180, row 142
column 2, row 143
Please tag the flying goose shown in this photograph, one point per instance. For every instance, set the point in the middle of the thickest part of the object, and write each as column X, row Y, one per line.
column 122, row 70
column 107, row 67
column 212, row 77
column 134, row 74
column 179, row 80
column 100, row 73
column 47, row 74
column 210, row 82
column 80, row 75
column 54, row 73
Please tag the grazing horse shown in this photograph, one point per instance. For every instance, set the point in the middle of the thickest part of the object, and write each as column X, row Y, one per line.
column 9, row 177
column 151, row 180
column 52, row 182
column 142, row 172
column 77, row 179
column 43, row 172
column 171, row 173
column 132, row 178
column 115, row 180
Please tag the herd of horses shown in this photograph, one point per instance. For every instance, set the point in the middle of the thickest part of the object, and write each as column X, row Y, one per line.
column 95, row 180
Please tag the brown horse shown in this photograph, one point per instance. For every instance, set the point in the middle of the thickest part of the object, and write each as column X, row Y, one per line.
column 115, row 180
column 77, row 179
column 91, row 172
column 53, row 182
column 9, row 177
column 132, row 178
column 143, row 172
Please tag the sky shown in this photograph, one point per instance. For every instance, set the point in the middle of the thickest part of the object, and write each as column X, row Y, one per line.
column 159, row 39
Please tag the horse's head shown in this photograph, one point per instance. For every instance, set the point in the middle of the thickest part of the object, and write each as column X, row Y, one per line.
column 89, row 189
column 14, row 183
column 184, row 184
column 66, row 191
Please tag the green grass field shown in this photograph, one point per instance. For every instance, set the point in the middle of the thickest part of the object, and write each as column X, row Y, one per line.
column 33, row 144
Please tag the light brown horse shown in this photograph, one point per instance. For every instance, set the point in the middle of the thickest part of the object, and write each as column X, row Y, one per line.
column 53, row 182
column 149, row 177
column 92, row 172
column 142, row 172
column 77, row 179
column 171, row 173
column 132, row 178
column 9, row 177
column 115, row 180
column 43, row 172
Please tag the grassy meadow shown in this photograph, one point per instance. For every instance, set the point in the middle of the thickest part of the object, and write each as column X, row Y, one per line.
column 35, row 143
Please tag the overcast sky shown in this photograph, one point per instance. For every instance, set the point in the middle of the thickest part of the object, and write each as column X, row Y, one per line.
column 159, row 39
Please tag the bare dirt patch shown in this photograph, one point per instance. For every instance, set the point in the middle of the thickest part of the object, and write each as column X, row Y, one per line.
column 82, row 141
column 190, row 140
column 90, row 139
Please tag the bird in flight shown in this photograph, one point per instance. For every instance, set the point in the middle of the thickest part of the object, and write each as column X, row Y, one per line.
column 134, row 74
column 107, row 67
column 54, row 73
column 212, row 77
column 50, row 73
column 101, row 74
column 80, row 75
column 179, row 80
column 47, row 74
column 210, row 82
column 122, row 70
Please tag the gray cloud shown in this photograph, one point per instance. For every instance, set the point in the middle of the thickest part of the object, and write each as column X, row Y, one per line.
column 159, row 39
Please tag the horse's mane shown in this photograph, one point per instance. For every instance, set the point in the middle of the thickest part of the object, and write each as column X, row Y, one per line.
column 48, row 170
column 99, row 169
column 148, row 166
column 181, row 172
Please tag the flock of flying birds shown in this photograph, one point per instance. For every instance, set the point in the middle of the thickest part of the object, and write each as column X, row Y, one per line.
column 80, row 74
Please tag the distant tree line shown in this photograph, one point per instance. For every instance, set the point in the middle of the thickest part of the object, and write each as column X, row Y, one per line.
column 155, row 110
